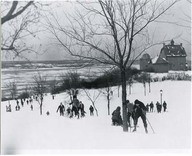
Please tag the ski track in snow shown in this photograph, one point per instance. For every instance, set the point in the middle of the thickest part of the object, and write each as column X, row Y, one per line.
column 27, row 131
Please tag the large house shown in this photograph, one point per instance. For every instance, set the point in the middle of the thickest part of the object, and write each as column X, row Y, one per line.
column 171, row 57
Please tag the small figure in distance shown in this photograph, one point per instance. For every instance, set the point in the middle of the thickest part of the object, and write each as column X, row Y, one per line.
column 91, row 109
column 164, row 106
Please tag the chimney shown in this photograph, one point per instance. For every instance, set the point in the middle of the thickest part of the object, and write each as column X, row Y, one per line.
column 181, row 44
column 163, row 44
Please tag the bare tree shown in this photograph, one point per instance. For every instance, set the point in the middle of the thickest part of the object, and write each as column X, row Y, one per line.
column 110, row 32
column 92, row 98
column 108, row 92
column 40, row 87
column 143, row 78
column 12, row 89
column 71, row 83
column 18, row 20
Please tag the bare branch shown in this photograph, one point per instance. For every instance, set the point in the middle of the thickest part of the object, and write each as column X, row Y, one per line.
column 11, row 15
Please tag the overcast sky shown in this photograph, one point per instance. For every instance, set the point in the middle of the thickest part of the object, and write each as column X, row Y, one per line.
column 180, row 14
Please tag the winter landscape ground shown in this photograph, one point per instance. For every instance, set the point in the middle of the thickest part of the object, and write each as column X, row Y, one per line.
column 28, row 132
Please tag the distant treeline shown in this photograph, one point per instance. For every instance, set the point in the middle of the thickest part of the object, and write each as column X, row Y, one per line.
column 108, row 79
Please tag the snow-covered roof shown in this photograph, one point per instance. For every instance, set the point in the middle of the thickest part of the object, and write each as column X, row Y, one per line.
column 158, row 59
column 174, row 50
column 154, row 60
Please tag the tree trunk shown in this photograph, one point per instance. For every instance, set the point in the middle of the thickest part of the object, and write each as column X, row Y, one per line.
column 124, row 96
column 144, row 89
column 108, row 105
column 149, row 87
column 129, row 89
column 41, row 108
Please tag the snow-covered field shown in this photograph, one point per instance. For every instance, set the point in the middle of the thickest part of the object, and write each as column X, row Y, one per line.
column 28, row 132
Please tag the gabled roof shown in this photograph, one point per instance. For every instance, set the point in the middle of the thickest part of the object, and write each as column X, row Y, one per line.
column 159, row 60
column 174, row 50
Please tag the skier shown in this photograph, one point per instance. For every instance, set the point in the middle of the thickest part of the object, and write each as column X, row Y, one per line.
column 139, row 111
column 116, row 117
column 164, row 106
column 91, row 110
column 130, row 112
column 151, row 106
column 61, row 109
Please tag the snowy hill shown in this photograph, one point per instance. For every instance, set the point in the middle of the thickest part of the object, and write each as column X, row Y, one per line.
column 27, row 132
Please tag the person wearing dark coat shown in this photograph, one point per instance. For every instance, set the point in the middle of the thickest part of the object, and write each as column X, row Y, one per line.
column 164, row 106
column 139, row 111
column 151, row 106
column 91, row 109
column 61, row 109
column 116, row 117
column 159, row 107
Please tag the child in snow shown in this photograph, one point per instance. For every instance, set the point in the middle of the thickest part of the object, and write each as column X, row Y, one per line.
column 116, row 117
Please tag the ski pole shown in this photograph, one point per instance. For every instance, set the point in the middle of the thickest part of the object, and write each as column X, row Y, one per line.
column 130, row 123
column 150, row 125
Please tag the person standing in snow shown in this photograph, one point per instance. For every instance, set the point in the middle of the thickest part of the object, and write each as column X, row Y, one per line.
column 139, row 111
column 158, row 106
column 61, row 109
column 129, row 112
column 151, row 106
column 91, row 109
column 164, row 106
column 116, row 117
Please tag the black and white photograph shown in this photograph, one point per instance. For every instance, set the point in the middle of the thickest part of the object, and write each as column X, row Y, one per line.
column 96, row 77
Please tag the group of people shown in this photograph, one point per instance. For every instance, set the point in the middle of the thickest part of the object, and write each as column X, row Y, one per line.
column 22, row 102
column 150, row 107
column 134, row 111
column 75, row 108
